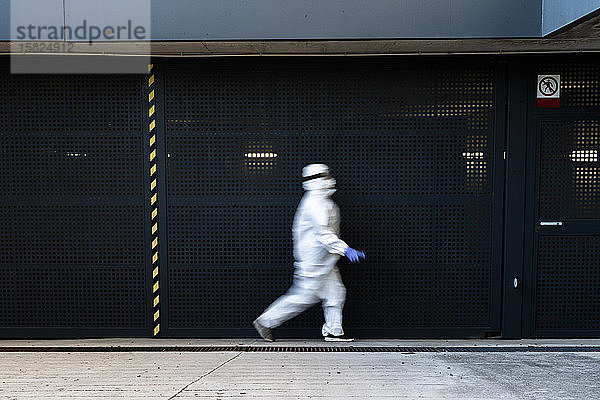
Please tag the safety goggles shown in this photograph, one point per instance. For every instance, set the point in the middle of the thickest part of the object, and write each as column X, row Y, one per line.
column 326, row 175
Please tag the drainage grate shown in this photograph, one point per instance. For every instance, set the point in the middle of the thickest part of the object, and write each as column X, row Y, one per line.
column 308, row 349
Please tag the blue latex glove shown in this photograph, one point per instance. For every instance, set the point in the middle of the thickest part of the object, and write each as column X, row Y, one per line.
column 354, row 255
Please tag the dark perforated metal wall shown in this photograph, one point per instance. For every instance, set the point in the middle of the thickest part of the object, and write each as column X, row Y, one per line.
column 415, row 152
column 566, row 262
column 72, row 247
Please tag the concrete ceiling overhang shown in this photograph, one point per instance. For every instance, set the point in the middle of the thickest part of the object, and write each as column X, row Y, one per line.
column 582, row 35
column 586, row 27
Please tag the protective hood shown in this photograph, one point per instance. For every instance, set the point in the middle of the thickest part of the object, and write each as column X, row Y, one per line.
column 317, row 180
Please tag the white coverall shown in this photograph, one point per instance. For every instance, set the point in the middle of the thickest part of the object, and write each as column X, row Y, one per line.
column 317, row 249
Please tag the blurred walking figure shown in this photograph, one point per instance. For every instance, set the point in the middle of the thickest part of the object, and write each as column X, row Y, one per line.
column 317, row 249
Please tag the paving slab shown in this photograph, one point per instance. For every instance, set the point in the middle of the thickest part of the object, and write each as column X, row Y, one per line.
column 185, row 374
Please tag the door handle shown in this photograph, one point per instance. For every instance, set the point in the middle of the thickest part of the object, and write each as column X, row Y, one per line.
column 551, row 223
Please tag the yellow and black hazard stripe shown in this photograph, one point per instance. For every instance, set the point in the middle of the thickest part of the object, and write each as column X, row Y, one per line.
column 153, row 200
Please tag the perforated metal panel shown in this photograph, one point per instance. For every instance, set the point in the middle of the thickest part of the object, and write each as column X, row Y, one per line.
column 72, row 206
column 70, row 103
column 570, row 169
column 71, row 165
column 568, row 283
column 48, row 297
column 412, row 149
column 578, row 82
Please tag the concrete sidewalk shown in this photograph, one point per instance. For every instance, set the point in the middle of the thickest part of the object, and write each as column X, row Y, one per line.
column 299, row 375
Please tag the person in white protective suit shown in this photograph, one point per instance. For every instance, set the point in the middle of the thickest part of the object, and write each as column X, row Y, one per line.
column 317, row 249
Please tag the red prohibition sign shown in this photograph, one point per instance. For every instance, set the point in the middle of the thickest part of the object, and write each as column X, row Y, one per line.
column 548, row 86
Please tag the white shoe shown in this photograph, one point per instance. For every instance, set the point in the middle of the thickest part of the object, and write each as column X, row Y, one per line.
column 341, row 338
column 263, row 331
